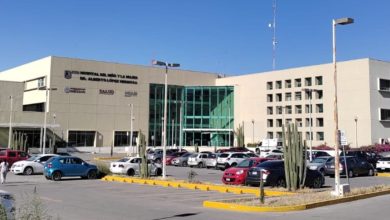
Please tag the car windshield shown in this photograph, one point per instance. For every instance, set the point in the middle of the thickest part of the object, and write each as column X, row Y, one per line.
column 320, row 160
column 385, row 159
column 123, row 159
column 33, row 158
column 245, row 163
column 224, row 155
column 194, row 155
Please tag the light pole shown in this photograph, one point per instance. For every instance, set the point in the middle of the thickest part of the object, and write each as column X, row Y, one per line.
column 161, row 63
column 311, row 121
column 10, row 121
column 45, row 113
column 131, row 127
column 340, row 21
column 253, row 131
column 356, row 137
column 53, row 134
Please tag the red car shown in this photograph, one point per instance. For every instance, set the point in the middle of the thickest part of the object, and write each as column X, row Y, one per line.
column 169, row 158
column 236, row 175
column 12, row 156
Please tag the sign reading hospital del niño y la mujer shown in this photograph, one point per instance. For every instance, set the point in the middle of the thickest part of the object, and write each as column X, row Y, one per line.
column 102, row 77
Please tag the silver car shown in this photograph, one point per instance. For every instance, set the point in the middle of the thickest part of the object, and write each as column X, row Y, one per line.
column 181, row 161
column 211, row 161
column 318, row 163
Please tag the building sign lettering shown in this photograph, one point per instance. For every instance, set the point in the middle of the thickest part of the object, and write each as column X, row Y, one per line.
column 102, row 77
column 106, row 91
column 74, row 90
column 130, row 93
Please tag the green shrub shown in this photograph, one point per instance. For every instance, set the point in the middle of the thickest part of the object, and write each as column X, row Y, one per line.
column 103, row 169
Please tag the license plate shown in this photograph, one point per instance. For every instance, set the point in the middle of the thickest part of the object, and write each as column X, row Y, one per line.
column 227, row 179
column 254, row 173
column 313, row 167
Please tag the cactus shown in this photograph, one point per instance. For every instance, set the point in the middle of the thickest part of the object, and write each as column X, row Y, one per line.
column 262, row 194
column 142, row 153
column 294, row 158
column 240, row 135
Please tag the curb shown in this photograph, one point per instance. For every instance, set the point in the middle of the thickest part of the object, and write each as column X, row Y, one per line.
column 107, row 158
column 244, row 208
column 383, row 174
column 196, row 186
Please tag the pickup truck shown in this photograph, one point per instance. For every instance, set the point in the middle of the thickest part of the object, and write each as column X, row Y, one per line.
column 11, row 156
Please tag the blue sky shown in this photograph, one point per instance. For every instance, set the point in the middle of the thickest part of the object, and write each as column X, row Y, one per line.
column 222, row 36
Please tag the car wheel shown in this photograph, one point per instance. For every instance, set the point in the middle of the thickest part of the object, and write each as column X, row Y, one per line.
column 184, row 163
column 350, row 174
column 130, row 172
column 317, row 183
column 158, row 172
column 158, row 160
column 257, row 151
column 281, row 183
column 28, row 171
column 227, row 166
column 371, row 172
column 56, row 176
column 200, row 165
column 92, row 174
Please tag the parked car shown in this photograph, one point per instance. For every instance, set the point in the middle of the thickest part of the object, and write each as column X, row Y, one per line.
column 371, row 157
column 355, row 167
column 230, row 159
column 8, row 202
column 32, row 165
column 318, row 163
column 197, row 160
column 264, row 153
column 273, row 174
column 234, row 149
column 274, row 157
column 157, row 154
column 169, row 158
column 182, row 160
column 383, row 164
column 11, row 156
column 131, row 166
column 237, row 175
column 68, row 166
column 211, row 160
column 251, row 154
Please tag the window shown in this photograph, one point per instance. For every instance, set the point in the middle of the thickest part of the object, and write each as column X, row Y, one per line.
column 384, row 114
column 384, row 85
column 308, row 136
column 38, row 107
column 269, row 98
column 308, row 94
column 269, row 86
column 270, row 135
column 308, row 124
column 270, row 123
column 320, row 136
column 11, row 154
column 287, row 83
column 279, row 123
column 41, row 82
column 288, row 121
column 298, row 109
column 81, row 138
column 122, row 138
column 298, row 121
column 278, row 84
column 308, row 81
column 320, row 122
column 279, row 97
column 318, row 80
column 298, row 96
column 319, row 108
column 279, row 110
column 279, row 135
column 288, row 96
column 298, row 83
column 270, row 110
column 288, row 109
column 319, row 94
column 308, row 109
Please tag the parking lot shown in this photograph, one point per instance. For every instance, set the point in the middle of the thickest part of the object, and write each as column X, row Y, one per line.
column 95, row 199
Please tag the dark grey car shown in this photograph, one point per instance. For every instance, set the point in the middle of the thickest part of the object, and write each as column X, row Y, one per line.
column 355, row 167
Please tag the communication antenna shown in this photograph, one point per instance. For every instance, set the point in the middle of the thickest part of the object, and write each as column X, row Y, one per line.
column 274, row 42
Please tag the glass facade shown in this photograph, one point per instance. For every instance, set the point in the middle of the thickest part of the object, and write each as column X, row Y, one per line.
column 81, row 138
column 207, row 115
column 122, row 138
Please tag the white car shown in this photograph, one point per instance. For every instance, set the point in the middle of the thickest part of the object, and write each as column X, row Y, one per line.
column 131, row 166
column 32, row 165
column 197, row 159
column 8, row 202
column 383, row 164
column 230, row 159
column 265, row 153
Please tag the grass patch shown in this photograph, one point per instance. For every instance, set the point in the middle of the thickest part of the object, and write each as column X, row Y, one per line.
column 306, row 196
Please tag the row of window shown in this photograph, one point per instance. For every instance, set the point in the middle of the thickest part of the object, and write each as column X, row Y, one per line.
column 288, row 83
column 288, row 109
column 288, row 96
column 319, row 122
column 319, row 135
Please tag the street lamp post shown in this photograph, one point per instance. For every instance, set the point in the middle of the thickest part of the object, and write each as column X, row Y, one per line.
column 356, row 137
column 311, row 121
column 253, row 131
column 45, row 113
column 53, row 134
column 10, row 121
column 161, row 63
column 340, row 21
column 131, row 128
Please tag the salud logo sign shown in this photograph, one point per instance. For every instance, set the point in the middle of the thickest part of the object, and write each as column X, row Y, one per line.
column 106, row 91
